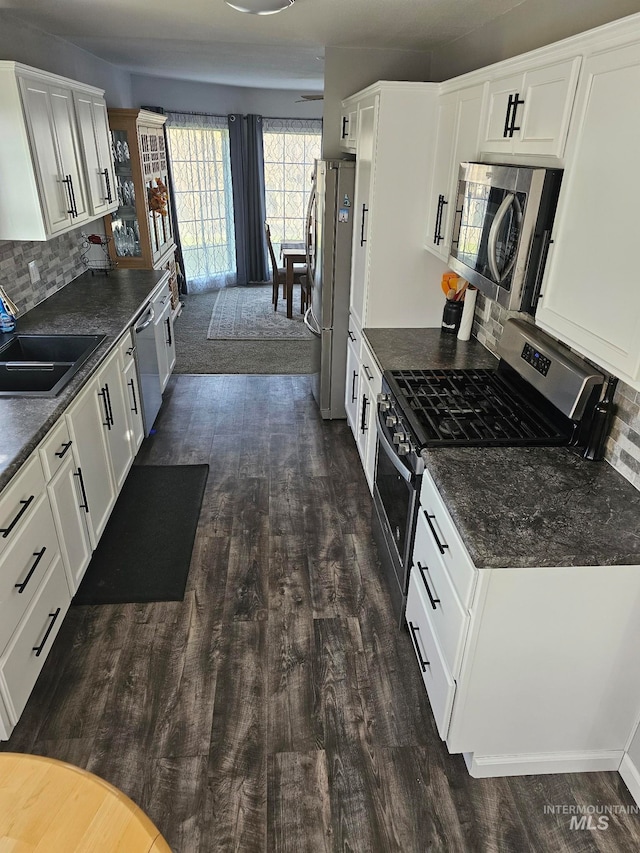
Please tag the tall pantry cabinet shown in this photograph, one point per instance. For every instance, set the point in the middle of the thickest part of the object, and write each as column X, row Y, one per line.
column 141, row 228
column 394, row 280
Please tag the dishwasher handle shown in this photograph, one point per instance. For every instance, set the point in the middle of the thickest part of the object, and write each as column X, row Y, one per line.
column 147, row 321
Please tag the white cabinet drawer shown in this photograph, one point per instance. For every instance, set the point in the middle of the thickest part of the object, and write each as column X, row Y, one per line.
column 23, row 566
column 18, row 501
column 126, row 348
column 437, row 679
column 55, row 447
column 447, row 615
column 26, row 653
column 447, row 540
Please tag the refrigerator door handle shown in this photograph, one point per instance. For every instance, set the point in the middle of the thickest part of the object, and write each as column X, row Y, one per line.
column 312, row 326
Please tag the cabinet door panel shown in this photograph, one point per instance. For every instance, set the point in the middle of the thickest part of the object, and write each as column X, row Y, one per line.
column 54, row 196
column 548, row 95
column 71, row 522
column 134, row 406
column 438, row 239
column 86, row 426
column 69, row 147
column 362, row 213
column 498, row 104
column 117, row 433
column 597, row 211
column 91, row 113
column 351, row 387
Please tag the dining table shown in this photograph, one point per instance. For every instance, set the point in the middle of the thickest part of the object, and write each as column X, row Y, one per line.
column 291, row 255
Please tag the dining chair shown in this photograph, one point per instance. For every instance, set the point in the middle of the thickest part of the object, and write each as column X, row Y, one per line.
column 279, row 275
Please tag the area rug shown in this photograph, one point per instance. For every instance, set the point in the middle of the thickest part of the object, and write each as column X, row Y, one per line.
column 246, row 314
column 145, row 550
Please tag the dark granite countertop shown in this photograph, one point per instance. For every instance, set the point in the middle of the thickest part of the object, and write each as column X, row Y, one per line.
column 104, row 305
column 406, row 349
column 537, row 506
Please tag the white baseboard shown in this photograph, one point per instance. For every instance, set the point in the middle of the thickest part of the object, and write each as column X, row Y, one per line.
column 486, row 766
column 631, row 777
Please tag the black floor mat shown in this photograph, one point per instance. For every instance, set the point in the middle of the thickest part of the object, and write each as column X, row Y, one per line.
column 145, row 550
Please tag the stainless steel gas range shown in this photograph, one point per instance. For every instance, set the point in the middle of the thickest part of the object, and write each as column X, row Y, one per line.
column 540, row 393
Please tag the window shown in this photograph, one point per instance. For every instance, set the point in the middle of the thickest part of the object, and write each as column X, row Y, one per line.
column 201, row 167
column 290, row 147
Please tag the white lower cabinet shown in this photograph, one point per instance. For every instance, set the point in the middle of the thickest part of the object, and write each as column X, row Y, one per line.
column 71, row 522
column 134, row 405
column 87, row 419
column 25, row 654
column 115, row 405
column 528, row 670
column 352, row 386
column 370, row 387
column 165, row 344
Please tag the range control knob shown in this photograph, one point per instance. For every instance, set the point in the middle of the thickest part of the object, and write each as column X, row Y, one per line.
column 403, row 448
column 399, row 437
column 391, row 420
column 382, row 398
column 384, row 405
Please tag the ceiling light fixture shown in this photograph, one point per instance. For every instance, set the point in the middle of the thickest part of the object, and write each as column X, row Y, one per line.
column 260, row 7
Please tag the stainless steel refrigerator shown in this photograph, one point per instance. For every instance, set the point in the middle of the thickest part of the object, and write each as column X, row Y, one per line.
column 329, row 232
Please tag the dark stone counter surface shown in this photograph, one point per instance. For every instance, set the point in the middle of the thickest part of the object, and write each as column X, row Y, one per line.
column 99, row 304
column 406, row 349
column 537, row 506
column 516, row 507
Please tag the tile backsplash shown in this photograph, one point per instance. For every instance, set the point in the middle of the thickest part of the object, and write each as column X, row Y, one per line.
column 59, row 262
column 623, row 445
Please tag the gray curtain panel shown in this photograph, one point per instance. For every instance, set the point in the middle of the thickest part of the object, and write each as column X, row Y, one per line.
column 247, row 174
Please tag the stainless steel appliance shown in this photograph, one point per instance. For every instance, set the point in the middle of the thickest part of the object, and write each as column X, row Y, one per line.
column 540, row 393
column 502, row 230
column 148, row 369
column 329, row 232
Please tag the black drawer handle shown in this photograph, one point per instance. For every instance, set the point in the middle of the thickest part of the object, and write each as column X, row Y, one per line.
column 85, row 503
column 353, row 387
column 423, row 571
column 102, row 393
column 363, row 419
column 133, row 394
column 38, row 556
column 6, row 531
column 65, row 446
column 441, row 545
column 415, row 630
column 53, row 617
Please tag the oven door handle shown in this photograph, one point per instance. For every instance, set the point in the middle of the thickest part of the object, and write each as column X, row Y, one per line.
column 404, row 472
column 509, row 200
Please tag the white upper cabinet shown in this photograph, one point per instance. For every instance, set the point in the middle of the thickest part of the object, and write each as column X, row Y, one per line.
column 93, row 124
column 529, row 112
column 49, row 155
column 586, row 302
column 459, row 115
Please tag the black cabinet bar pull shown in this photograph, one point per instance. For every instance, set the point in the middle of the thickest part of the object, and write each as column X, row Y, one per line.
column 133, row 394
column 106, row 388
column 365, row 210
column 352, row 337
column 6, row 531
column 441, row 545
column 414, row 630
column 345, row 124
column 367, row 372
column 85, row 503
column 65, row 446
column 109, row 197
column 423, row 571
column 441, row 204
column 363, row 419
column 67, row 181
column 53, row 617
column 103, row 393
column 74, row 211
column 437, row 225
column 38, row 556
column 169, row 338
column 353, row 387
column 516, row 103
column 505, row 132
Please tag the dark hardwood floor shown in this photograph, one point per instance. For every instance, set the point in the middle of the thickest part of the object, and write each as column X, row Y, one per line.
column 278, row 707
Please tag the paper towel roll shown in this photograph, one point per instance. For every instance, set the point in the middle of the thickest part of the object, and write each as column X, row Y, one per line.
column 464, row 332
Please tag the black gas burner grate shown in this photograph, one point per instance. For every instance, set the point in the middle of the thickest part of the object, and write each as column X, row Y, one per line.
column 473, row 407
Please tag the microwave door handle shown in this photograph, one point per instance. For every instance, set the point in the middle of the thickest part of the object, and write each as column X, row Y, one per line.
column 498, row 219
column 512, row 260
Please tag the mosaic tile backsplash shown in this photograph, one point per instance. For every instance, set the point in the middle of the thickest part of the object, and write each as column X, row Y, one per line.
column 59, row 262
column 623, row 446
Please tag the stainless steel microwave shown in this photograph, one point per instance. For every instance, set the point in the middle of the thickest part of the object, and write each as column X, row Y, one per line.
column 502, row 230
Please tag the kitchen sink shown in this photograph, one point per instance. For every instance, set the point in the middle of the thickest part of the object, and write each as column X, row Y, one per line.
column 42, row 365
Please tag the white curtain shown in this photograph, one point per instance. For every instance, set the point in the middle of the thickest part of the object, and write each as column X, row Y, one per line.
column 201, row 168
column 290, row 146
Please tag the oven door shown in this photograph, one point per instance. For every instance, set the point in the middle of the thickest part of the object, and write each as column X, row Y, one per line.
column 492, row 228
column 396, row 494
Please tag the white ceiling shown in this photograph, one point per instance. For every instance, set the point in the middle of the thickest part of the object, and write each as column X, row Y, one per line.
column 205, row 40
